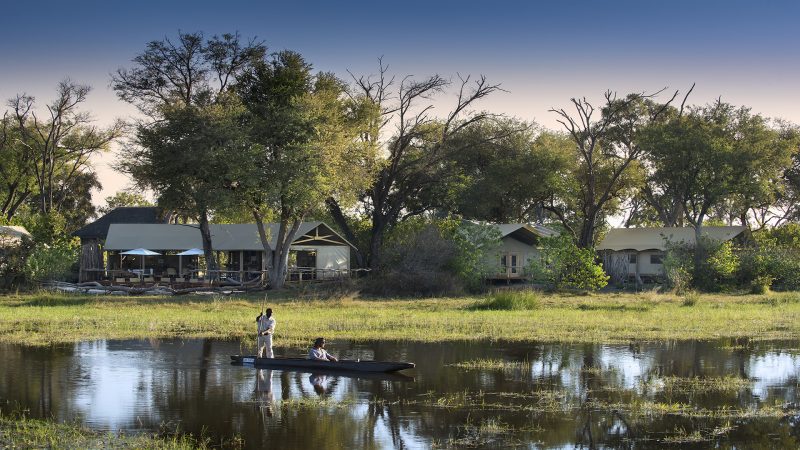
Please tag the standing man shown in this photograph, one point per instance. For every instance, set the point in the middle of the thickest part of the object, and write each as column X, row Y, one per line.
column 266, row 327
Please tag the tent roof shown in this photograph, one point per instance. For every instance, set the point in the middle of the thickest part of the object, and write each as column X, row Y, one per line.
column 224, row 237
column 524, row 232
column 124, row 214
column 14, row 231
column 641, row 239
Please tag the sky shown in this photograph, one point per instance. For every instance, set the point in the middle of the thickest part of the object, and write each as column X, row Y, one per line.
column 542, row 53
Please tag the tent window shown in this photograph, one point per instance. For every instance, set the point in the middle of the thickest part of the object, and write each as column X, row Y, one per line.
column 656, row 259
column 632, row 258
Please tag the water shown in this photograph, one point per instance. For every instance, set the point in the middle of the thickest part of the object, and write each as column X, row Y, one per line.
column 557, row 396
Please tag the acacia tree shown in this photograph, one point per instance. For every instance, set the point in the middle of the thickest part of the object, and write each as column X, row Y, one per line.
column 303, row 130
column 714, row 157
column 507, row 169
column 606, row 154
column 184, row 86
column 414, row 165
column 46, row 156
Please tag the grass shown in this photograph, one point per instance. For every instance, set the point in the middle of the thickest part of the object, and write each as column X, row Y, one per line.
column 47, row 318
column 19, row 431
column 508, row 301
column 492, row 364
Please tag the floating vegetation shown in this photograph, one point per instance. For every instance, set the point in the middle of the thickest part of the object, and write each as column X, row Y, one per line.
column 681, row 436
column 702, row 385
column 492, row 364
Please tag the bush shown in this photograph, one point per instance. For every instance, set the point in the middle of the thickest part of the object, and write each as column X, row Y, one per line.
column 56, row 261
column 509, row 301
column 716, row 270
column 417, row 261
column 566, row 266
column 13, row 258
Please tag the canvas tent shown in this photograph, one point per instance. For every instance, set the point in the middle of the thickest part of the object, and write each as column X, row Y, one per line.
column 11, row 235
column 638, row 252
column 317, row 248
column 519, row 246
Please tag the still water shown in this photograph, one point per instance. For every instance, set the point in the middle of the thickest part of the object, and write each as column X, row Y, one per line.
column 735, row 394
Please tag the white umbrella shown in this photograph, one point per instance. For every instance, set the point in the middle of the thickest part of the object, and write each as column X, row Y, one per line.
column 190, row 252
column 140, row 252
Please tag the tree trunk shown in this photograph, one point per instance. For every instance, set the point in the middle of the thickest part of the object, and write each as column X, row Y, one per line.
column 376, row 241
column 280, row 257
column 699, row 249
column 262, row 234
column 586, row 238
column 205, row 233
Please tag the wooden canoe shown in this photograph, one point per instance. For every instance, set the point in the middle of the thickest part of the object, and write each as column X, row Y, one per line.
column 303, row 363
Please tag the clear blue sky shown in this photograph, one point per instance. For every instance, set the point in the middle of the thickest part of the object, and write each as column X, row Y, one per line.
column 543, row 53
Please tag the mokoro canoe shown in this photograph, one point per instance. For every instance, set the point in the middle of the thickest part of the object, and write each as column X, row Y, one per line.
column 346, row 365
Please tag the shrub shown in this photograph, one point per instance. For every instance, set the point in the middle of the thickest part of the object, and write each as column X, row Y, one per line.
column 13, row 258
column 690, row 298
column 509, row 301
column 475, row 244
column 716, row 270
column 565, row 265
column 417, row 261
column 53, row 262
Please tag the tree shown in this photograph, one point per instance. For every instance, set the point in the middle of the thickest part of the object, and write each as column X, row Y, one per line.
column 16, row 170
column 607, row 159
column 184, row 87
column 303, row 131
column 415, row 165
column 46, row 157
column 712, row 158
column 124, row 198
column 190, row 160
column 507, row 170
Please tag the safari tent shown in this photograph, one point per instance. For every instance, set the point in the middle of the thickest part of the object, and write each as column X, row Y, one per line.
column 639, row 252
column 519, row 246
column 318, row 252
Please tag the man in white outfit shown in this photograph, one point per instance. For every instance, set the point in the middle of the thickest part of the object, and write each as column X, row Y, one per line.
column 266, row 327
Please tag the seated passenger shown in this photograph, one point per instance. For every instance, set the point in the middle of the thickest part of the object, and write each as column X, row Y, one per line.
column 318, row 351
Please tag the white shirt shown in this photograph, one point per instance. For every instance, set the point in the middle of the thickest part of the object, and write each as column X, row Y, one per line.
column 318, row 353
column 266, row 324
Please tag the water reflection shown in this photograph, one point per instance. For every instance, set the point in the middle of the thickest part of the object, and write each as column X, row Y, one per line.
column 554, row 395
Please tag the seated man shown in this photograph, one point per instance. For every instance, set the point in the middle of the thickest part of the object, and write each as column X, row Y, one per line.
column 318, row 351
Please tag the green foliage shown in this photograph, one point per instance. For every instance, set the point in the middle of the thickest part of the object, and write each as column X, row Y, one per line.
column 124, row 198
column 504, row 179
column 716, row 269
column 54, row 261
column 509, row 301
column 773, row 261
column 564, row 265
column 476, row 246
column 13, row 258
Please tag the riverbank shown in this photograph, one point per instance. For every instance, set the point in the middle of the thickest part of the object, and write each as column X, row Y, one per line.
column 50, row 318
column 18, row 431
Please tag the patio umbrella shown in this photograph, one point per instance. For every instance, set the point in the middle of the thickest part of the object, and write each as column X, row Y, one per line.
column 141, row 252
column 190, row 252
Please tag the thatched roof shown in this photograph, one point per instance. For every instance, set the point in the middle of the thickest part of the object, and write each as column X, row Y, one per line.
column 126, row 214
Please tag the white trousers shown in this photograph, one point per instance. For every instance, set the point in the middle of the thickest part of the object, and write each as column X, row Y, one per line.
column 265, row 346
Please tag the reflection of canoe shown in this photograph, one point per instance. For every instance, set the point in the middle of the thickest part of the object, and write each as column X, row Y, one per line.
column 345, row 365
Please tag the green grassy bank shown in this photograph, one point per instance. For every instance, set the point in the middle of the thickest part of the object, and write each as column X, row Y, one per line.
column 44, row 318
column 18, row 431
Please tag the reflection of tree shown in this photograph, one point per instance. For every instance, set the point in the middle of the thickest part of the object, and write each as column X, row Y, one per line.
column 187, row 384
